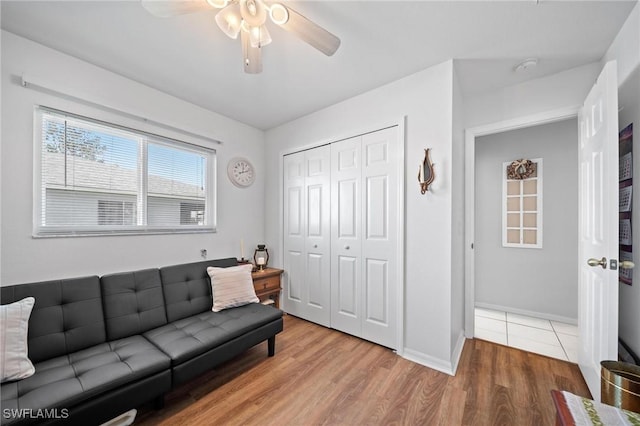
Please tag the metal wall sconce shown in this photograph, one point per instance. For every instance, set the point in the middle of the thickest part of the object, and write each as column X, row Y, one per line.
column 426, row 173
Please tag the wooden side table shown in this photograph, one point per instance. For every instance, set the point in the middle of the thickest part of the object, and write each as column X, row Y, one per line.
column 267, row 284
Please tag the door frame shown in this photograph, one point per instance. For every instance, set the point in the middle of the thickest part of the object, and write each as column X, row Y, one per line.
column 400, row 168
column 469, row 192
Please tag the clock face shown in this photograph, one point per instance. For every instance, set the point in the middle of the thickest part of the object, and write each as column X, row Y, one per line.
column 241, row 172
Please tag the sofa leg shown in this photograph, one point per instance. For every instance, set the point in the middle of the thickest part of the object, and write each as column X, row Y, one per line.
column 158, row 402
column 271, row 344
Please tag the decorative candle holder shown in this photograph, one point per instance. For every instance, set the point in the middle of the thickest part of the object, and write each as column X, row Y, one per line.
column 261, row 257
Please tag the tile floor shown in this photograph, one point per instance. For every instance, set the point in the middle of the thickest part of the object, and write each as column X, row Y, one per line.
column 550, row 338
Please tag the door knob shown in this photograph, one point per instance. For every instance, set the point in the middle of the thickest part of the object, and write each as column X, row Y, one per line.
column 346, row 247
column 626, row 264
column 315, row 246
column 595, row 262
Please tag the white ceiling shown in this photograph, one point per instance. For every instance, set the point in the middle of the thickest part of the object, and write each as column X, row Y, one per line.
column 189, row 57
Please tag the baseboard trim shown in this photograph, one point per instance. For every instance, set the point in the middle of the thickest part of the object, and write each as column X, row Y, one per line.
column 447, row 367
column 457, row 351
column 428, row 361
column 541, row 315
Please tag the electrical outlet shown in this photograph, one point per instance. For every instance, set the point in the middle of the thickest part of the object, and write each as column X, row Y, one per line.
column 203, row 253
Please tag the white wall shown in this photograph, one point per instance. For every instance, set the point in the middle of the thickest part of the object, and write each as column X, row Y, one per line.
column 534, row 282
column 425, row 98
column 557, row 91
column 457, row 222
column 625, row 49
column 629, row 314
column 1, row 153
column 25, row 259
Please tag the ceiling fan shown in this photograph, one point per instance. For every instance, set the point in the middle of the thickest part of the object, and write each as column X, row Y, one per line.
column 248, row 18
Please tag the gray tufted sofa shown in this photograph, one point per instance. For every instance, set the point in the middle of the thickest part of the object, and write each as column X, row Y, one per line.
column 104, row 345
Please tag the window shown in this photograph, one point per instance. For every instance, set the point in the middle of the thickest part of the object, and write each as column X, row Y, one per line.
column 191, row 213
column 98, row 178
column 116, row 213
column 522, row 209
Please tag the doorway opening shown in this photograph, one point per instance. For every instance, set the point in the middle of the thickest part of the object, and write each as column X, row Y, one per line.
column 525, row 297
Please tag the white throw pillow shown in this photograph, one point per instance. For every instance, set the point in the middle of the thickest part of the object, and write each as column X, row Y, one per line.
column 232, row 287
column 14, row 327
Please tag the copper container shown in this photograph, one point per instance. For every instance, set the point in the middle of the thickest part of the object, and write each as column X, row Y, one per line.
column 620, row 385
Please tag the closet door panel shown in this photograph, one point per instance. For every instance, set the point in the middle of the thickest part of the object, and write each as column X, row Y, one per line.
column 379, row 240
column 294, row 218
column 318, row 235
column 377, row 207
column 348, row 207
column 294, row 233
column 376, row 291
column 295, row 270
column 347, row 286
column 346, row 300
column 314, row 272
column 314, row 213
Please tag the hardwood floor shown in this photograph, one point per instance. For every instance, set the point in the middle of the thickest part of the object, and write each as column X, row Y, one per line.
column 323, row 377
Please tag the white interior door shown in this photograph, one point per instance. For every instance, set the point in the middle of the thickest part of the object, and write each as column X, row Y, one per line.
column 307, row 230
column 598, row 222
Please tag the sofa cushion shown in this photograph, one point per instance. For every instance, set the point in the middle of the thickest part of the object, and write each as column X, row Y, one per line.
column 67, row 316
column 133, row 303
column 65, row 381
column 14, row 328
column 187, row 288
column 232, row 287
column 189, row 337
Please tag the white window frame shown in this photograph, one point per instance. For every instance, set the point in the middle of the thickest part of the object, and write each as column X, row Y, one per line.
column 539, row 196
column 41, row 230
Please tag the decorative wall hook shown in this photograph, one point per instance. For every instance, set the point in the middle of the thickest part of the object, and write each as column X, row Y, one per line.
column 426, row 173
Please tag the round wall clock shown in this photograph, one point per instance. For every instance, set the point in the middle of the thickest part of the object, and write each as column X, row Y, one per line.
column 241, row 172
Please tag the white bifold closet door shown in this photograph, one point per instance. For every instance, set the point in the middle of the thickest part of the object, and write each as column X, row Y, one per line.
column 341, row 235
column 364, row 209
column 307, row 227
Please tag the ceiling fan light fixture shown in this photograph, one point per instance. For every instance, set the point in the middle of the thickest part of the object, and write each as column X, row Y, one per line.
column 279, row 14
column 259, row 36
column 251, row 56
column 254, row 12
column 247, row 18
column 218, row 4
column 229, row 20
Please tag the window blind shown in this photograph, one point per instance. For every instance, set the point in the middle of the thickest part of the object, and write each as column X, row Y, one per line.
column 97, row 177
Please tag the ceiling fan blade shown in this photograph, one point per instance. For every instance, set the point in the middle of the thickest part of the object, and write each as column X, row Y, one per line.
column 169, row 8
column 311, row 33
column 251, row 56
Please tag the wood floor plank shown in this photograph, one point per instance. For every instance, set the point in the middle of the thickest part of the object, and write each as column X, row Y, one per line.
column 452, row 406
column 320, row 376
